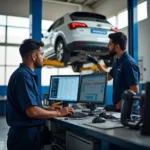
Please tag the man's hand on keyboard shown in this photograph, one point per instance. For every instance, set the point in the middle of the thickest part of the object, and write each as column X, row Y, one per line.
column 65, row 111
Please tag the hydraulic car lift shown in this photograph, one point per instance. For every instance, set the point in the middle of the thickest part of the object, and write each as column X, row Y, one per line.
column 56, row 63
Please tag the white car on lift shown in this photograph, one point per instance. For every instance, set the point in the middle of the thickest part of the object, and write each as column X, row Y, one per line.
column 73, row 35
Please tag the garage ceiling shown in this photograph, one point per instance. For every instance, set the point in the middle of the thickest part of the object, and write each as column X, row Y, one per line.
column 89, row 3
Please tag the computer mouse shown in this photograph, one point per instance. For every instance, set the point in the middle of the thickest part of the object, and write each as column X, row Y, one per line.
column 98, row 120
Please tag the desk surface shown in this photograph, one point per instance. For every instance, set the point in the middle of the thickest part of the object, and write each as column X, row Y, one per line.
column 124, row 137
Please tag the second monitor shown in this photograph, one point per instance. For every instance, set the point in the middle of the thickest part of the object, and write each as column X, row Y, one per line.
column 93, row 89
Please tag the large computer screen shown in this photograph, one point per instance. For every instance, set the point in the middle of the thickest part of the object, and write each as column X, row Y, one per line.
column 93, row 88
column 64, row 88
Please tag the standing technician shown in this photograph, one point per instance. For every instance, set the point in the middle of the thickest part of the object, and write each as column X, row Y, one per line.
column 25, row 114
column 125, row 72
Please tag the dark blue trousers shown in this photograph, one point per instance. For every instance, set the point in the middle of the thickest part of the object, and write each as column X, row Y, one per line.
column 135, row 108
column 24, row 139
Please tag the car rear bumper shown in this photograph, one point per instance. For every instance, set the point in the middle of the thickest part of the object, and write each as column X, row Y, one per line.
column 87, row 46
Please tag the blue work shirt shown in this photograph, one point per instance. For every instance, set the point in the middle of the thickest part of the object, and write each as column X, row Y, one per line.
column 125, row 73
column 22, row 93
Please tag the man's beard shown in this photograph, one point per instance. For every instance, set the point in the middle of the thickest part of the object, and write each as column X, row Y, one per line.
column 113, row 52
column 37, row 65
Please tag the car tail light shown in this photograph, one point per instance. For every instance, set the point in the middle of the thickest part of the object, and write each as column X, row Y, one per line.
column 75, row 25
column 114, row 29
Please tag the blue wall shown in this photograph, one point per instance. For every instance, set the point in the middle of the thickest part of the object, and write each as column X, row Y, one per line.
column 3, row 90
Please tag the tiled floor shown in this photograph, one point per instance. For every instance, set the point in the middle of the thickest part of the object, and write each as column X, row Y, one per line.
column 3, row 133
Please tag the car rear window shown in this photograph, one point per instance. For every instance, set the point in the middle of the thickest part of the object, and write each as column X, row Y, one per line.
column 88, row 16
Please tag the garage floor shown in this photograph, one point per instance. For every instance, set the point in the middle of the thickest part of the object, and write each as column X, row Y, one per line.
column 3, row 133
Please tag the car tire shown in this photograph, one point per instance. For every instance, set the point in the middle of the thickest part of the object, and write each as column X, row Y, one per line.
column 76, row 66
column 61, row 52
column 110, row 61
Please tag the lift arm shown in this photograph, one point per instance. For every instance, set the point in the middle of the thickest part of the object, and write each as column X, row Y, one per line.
column 56, row 63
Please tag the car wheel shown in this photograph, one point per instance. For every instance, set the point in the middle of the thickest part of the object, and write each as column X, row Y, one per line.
column 110, row 61
column 76, row 66
column 60, row 49
column 61, row 52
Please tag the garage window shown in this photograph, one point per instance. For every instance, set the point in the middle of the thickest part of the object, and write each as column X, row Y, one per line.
column 10, row 42
column 2, row 34
column 2, row 20
column 142, row 11
column 2, row 55
column 18, row 21
column 122, row 23
column 13, row 51
column 17, row 35
column 9, row 71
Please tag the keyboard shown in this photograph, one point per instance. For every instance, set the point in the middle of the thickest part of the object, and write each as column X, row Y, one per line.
column 77, row 115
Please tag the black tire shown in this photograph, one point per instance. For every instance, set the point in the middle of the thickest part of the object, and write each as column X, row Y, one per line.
column 61, row 52
column 60, row 49
column 76, row 66
column 109, row 62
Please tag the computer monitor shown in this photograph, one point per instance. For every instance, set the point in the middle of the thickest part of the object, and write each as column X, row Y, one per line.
column 64, row 88
column 93, row 89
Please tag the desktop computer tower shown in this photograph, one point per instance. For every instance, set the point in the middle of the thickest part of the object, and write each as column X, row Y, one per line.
column 75, row 141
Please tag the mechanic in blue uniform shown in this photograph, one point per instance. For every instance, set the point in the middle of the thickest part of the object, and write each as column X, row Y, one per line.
column 125, row 72
column 25, row 114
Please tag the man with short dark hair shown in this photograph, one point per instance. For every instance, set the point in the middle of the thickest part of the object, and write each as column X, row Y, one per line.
column 125, row 72
column 25, row 114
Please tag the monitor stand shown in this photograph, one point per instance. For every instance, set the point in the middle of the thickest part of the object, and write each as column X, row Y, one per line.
column 92, row 110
